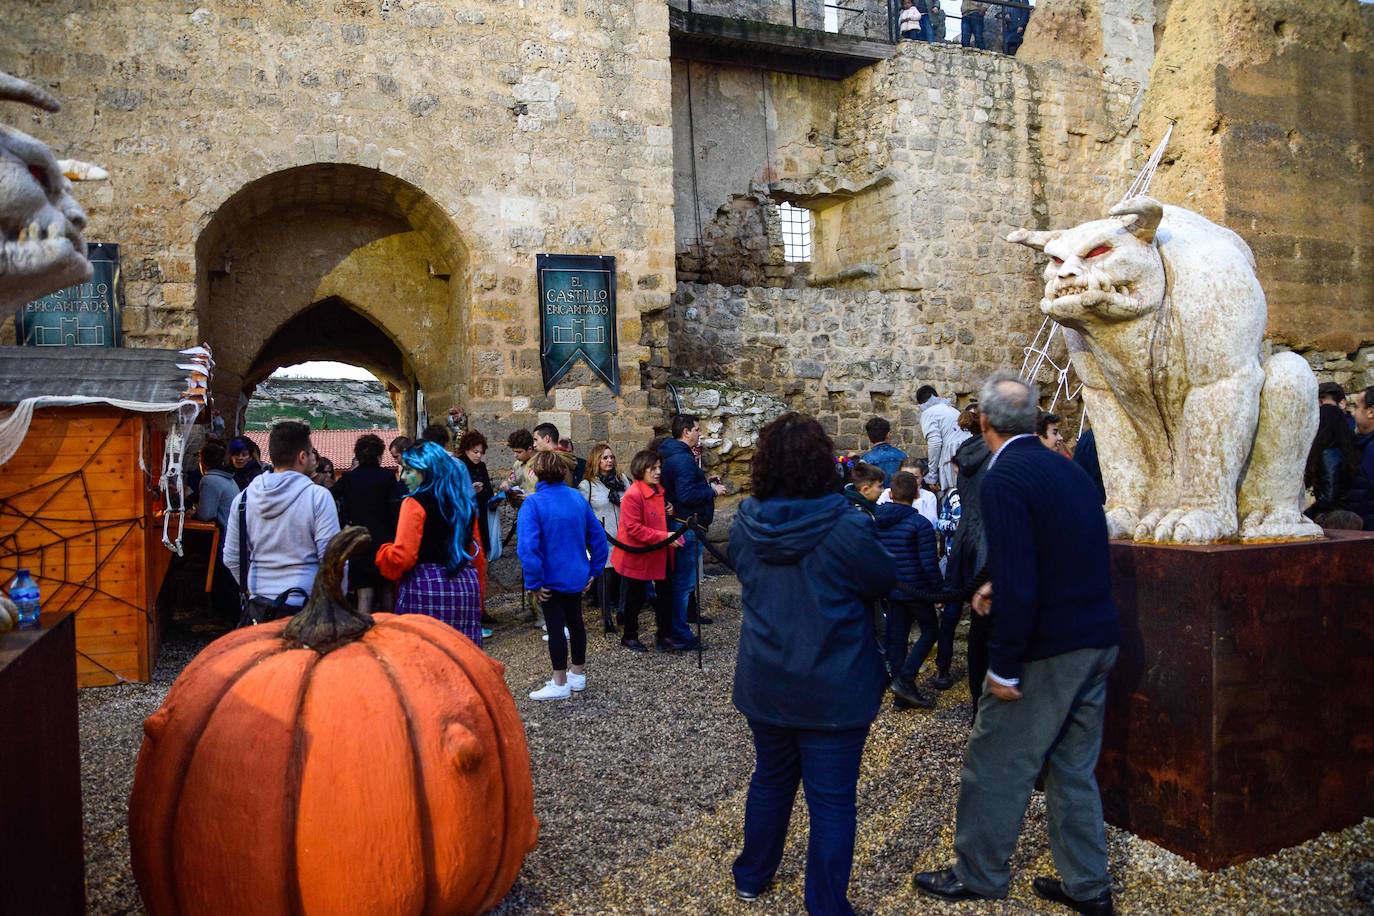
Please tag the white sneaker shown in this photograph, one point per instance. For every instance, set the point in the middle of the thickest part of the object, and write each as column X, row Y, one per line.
column 577, row 682
column 551, row 691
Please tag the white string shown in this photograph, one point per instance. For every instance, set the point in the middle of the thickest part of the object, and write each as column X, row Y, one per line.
column 1141, row 185
column 1038, row 353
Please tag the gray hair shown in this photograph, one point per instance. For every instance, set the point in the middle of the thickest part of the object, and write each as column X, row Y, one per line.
column 1010, row 403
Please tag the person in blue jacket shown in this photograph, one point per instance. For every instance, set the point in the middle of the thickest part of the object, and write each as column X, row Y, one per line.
column 562, row 548
column 687, row 490
column 910, row 538
column 809, row 676
column 883, row 455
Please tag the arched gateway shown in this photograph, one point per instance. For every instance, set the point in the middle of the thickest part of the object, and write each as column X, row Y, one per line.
column 333, row 261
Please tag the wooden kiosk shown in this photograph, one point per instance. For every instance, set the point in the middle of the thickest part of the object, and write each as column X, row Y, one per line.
column 80, row 498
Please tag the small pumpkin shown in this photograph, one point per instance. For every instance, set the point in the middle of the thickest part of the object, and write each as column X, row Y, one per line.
column 9, row 614
column 335, row 763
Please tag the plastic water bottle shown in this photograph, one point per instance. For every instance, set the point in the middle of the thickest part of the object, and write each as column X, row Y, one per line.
column 24, row 594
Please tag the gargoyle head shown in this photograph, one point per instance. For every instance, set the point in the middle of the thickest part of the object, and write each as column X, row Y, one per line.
column 42, row 248
column 1107, row 269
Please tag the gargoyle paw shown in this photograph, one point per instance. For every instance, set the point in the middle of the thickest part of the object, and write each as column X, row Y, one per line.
column 1201, row 526
column 1121, row 523
column 1278, row 524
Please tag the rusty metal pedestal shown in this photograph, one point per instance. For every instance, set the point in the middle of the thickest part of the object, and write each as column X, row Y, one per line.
column 1240, row 716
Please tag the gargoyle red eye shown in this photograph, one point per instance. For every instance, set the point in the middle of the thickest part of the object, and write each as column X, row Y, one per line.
column 39, row 176
column 1099, row 250
column 1056, row 260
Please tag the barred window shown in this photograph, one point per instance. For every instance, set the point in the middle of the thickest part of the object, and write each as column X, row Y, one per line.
column 797, row 224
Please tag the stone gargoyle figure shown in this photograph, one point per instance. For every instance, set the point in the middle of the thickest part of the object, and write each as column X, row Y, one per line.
column 42, row 247
column 1200, row 440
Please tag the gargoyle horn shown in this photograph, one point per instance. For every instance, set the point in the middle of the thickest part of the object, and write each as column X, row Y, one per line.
column 13, row 89
column 1036, row 240
column 1145, row 214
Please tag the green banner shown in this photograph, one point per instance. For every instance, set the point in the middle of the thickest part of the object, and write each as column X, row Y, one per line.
column 84, row 315
column 577, row 316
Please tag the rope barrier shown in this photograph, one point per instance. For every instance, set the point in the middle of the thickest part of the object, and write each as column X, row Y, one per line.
column 959, row 595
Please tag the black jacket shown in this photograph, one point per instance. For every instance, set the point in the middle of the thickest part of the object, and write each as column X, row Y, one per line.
column 910, row 538
column 477, row 471
column 370, row 497
column 1359, row 496
column 684, row 484
column 808, row 653
column 968, row 553
column 1047, row 557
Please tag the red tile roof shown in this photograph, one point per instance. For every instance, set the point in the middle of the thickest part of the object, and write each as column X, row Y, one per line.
column 335, row 444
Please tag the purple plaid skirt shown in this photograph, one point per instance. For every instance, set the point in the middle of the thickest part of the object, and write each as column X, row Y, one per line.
column 456, row 600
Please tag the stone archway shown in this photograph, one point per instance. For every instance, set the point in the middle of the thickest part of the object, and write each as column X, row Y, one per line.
column 333, row 329
column 333, row 261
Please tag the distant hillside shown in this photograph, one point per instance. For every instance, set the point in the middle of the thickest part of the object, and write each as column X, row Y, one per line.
column 323, row 403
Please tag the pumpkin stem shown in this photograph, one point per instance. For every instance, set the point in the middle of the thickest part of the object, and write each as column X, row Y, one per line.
column 327, row 621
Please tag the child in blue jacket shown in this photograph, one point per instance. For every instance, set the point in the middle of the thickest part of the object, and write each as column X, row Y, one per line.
column 910, row 538
column 562, row 547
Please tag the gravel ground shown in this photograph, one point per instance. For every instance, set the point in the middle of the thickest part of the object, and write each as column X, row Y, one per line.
column 640, row 785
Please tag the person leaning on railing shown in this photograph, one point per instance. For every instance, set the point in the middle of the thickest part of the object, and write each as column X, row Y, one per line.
column 971, row 26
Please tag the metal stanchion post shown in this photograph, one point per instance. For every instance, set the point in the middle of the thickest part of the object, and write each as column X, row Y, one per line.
column 701, row 609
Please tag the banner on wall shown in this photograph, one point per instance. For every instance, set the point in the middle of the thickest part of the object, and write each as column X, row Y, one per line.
column 84, row 315
column 577, row 316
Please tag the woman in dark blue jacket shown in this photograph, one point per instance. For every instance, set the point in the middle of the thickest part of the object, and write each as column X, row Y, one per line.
column 809, row 676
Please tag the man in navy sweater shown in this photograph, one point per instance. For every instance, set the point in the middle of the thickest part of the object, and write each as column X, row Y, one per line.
column 686, row 488
column 1053, row 642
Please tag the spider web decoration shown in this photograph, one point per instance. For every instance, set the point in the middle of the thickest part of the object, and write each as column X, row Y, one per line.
column 1037, row 356
column 1042, row 350
column 53, row 541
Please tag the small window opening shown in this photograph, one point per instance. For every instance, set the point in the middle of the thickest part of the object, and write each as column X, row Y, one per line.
column 797, row 224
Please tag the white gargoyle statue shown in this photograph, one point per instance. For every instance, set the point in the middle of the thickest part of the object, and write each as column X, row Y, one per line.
column 42, row 248
column 1200, row 441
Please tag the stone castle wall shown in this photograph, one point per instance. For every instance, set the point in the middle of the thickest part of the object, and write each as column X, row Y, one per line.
column 1274, row 141
column 469, row 135
column 915, row 172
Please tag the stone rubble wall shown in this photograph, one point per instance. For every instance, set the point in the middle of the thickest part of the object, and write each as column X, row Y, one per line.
column 742, row 246
column 841, row 355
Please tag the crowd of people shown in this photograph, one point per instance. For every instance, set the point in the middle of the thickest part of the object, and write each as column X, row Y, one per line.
column 434, row 524
column 924, row 20
column 839, row 557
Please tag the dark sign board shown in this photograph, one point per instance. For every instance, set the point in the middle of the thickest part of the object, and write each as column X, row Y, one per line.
column 85, row 315
column 577, row 316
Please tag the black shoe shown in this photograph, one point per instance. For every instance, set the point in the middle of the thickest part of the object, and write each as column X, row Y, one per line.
column 704, row 621
column 909, row 694
column 945, row 885
column 942, row 681
column 634, row 645
column 1052, row 889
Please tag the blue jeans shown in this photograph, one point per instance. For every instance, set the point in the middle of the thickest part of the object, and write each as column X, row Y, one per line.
column 971, row 31
column 903, row 665
column 826, row 763
column 685, row 561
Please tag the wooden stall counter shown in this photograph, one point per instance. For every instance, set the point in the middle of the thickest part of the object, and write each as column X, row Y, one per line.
column 42, row 867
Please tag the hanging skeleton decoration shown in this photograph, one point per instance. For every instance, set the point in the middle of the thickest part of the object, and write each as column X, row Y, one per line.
column 42, row 247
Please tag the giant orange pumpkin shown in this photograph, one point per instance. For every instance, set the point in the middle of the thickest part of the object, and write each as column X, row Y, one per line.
column 382, row 771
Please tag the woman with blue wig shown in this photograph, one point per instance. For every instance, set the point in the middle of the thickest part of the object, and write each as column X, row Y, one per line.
column 431, row 558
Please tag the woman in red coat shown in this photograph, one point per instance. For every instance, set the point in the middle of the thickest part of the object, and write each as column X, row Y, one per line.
column 644, row 521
